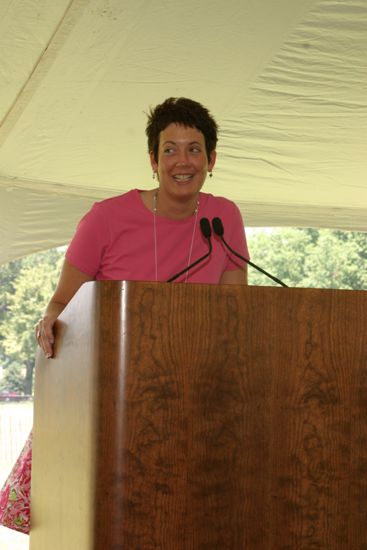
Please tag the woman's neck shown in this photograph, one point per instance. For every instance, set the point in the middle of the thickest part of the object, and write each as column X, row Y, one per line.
column 168, row 207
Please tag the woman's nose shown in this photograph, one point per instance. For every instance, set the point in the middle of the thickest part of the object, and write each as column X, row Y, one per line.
column 183, row 158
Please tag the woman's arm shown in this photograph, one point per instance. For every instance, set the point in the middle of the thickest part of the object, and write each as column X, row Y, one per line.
column 234, row 277
column 71, row 279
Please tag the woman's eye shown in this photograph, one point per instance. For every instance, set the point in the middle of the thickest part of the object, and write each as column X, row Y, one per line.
column 195, row 150
column 168, row 150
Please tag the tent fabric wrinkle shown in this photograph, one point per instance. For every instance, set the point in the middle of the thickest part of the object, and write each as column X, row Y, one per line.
column 286, row 81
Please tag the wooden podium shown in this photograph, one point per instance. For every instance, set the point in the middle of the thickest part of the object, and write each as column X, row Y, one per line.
column 203, row 417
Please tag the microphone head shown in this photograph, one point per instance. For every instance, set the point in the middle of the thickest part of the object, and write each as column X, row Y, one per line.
column 218, row 227
column 205, row 228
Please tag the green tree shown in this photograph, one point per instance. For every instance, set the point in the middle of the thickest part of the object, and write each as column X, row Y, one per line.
column 281, row 252
column 338, row 260
column 13, row 379
column 310, row 258
column 8, row 275
column 31, row 290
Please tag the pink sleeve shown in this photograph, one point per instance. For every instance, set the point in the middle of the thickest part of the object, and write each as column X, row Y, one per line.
column 235, row 236
column 86, row 249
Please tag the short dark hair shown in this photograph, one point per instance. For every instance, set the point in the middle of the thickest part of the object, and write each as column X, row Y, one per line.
column 184, row 111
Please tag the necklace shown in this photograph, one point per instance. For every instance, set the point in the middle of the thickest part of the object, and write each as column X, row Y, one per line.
column 155, row 199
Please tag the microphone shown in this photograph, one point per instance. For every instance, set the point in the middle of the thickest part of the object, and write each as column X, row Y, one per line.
column 207, row 233
column 219, row 231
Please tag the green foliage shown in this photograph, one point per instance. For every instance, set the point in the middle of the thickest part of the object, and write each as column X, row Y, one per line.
column 310, row 258
column 8, row 275
column 29, row 286
column 13, row 379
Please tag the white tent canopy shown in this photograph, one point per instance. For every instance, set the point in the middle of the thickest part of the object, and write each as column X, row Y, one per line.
column 286, row 80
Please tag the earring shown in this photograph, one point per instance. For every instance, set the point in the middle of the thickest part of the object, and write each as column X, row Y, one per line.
column 153, row 175
column 210, row 174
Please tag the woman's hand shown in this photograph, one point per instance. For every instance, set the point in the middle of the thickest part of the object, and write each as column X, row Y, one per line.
column 70, row 281
column 45, row 335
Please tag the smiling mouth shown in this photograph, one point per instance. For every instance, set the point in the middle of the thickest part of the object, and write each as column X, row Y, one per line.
column 182, row 177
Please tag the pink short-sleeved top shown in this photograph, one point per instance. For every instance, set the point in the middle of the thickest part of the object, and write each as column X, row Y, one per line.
column 115, row 241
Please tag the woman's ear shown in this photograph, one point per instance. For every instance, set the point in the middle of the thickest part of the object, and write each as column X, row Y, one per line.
column 211, row 161
column 153, row 162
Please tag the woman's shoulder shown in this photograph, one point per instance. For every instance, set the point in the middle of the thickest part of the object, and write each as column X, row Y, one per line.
column 217, row 202
column 127, row 200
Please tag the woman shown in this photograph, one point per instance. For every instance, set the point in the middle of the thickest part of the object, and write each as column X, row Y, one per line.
column 144, row 235
column 151, row 235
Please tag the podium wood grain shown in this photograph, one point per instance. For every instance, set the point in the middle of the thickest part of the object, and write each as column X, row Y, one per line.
column 191, row 417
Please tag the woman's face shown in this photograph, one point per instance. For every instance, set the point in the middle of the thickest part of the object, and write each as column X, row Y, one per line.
column 182, row 161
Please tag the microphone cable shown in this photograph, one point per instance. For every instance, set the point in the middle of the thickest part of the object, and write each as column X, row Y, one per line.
column 207, row 233
column 219, row 231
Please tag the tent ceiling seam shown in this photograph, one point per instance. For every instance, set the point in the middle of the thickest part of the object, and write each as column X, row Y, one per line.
column 45, row 60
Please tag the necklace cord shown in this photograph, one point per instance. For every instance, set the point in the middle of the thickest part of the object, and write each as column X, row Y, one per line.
column 186, row 270
column 193, row 264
